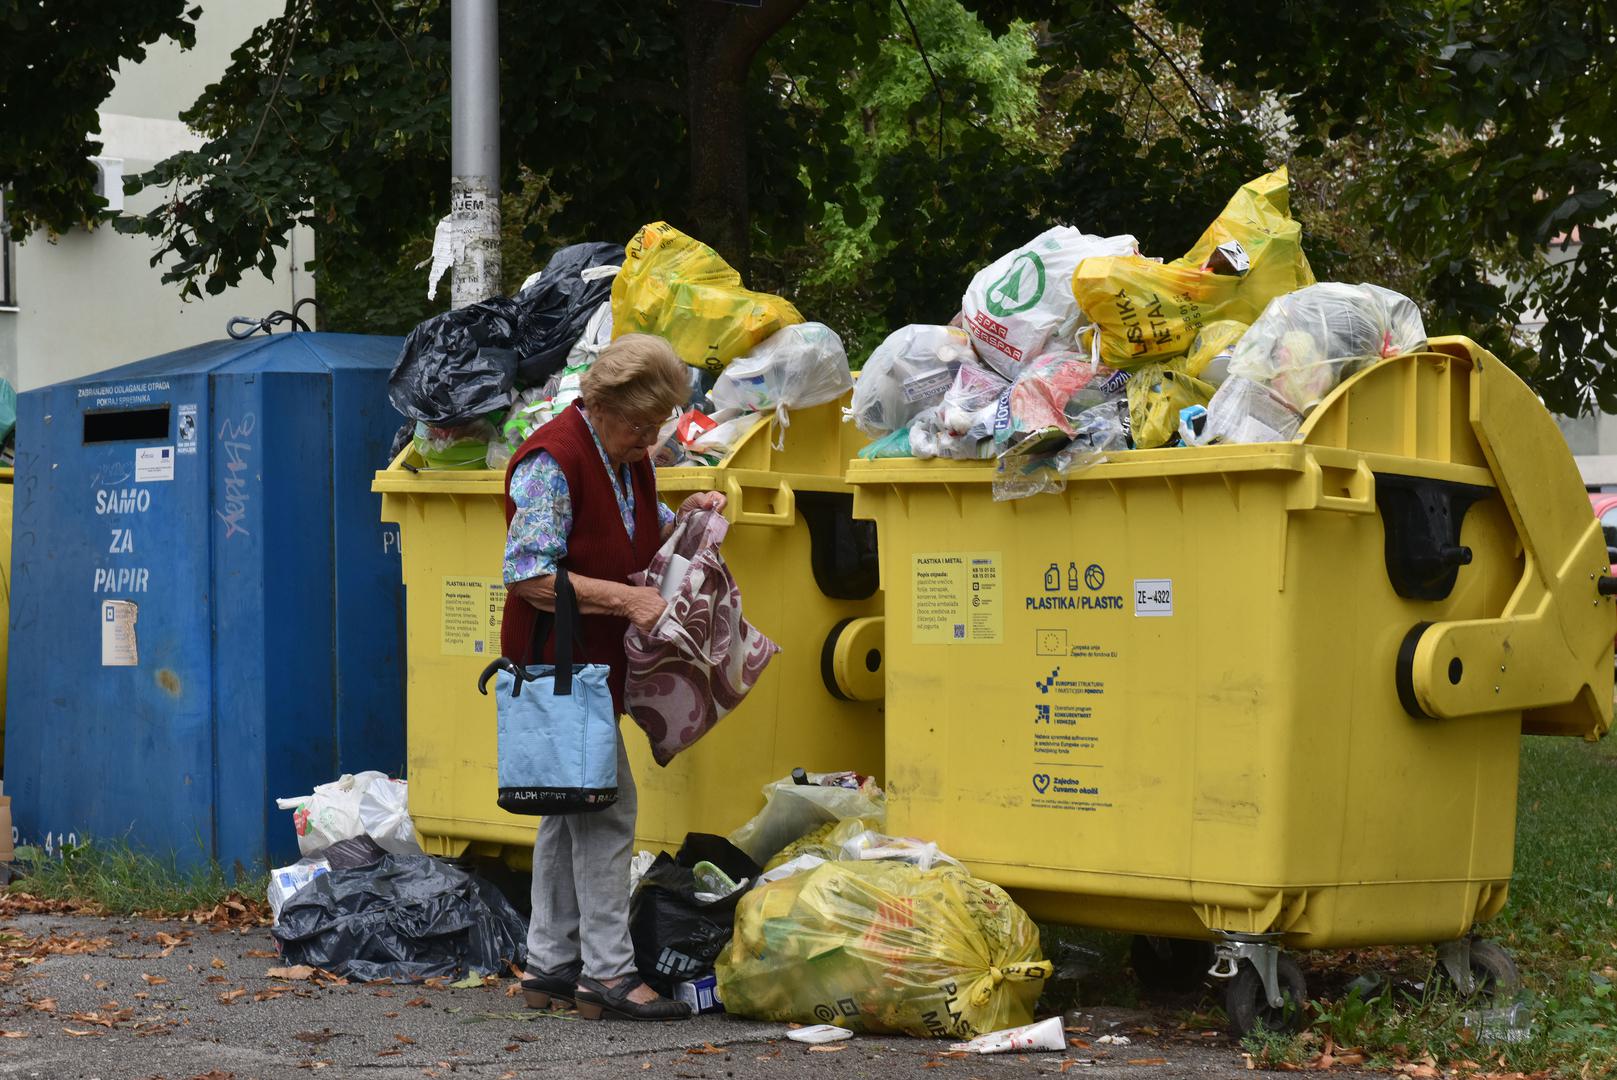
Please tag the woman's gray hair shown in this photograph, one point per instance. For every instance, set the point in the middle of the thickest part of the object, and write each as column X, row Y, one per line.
column 638, row 375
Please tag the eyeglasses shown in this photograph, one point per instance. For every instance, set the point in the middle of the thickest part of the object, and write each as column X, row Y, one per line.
column 641, row 431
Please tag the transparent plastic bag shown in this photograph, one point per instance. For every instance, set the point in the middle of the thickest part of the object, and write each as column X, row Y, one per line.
column 1021, row 306
column 355, row 804
column 884, row 946
column 970, row 404
column 930, row 437
column 895, row 444
column 1244, row 411
column 462, row 447
column 1038, row 404
column 1209, row 355
column 909, row 372
column 1307, row 342
column 1157, row 393
column 796, row 367
column 791, row 810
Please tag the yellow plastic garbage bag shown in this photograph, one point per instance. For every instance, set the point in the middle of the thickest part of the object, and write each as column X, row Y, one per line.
column 1148, row 312
column 677, row 287
column 1156, row 394
column 884, row 947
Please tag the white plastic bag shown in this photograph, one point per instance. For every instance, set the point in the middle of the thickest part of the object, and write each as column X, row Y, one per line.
column 907, row 373
column 792, row 809
column 596, row 336
column 357, row 804
column 1021, row 305
column 970, row 404
column 795, row 367
column 1244, row 411
column 285, row 882
column 1308, row 341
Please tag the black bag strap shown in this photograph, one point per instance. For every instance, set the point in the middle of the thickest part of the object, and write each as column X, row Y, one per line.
column 569, row 633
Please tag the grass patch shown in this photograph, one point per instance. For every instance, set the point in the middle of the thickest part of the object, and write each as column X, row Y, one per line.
column 1560, row 926
column 112, row 878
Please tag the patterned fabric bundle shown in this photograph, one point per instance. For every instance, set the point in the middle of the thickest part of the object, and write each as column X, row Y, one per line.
column 701, row 657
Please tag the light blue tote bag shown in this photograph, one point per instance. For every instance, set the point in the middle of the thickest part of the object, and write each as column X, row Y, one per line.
column 558, row 731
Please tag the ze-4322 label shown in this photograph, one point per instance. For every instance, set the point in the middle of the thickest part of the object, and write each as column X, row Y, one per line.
column 1153, row 596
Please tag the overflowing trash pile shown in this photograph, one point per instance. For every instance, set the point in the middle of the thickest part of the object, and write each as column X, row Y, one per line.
column 1066, row 349
column 1080, row 346
column 479, row 380
column 809, row 913
column 365, row 903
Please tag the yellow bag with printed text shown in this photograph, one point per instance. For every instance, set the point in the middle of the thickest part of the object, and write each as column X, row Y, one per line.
column 677, row 287
column 1149, row 312
column 883, row 946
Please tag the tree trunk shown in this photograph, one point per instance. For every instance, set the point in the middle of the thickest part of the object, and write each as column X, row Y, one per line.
column 721, row 40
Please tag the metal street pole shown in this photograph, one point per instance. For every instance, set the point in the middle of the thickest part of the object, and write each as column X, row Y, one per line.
column 474, row 64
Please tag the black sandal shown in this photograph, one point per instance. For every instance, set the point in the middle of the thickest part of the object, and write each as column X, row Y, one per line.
column 550, row 991
column 595, row 999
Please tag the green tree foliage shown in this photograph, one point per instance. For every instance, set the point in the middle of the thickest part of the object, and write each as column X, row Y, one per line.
column 57, row 61
column 882, row 151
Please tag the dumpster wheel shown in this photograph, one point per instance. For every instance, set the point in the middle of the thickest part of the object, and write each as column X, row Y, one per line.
column 1174, row 965
column 1247, row 1004
column 1493, row 974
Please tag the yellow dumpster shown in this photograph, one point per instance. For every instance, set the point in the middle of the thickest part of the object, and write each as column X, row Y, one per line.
column 1261, row 695
column 808, row 579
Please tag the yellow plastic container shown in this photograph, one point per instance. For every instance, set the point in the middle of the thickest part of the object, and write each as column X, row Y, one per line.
column 1186, row 698
column 807, row 576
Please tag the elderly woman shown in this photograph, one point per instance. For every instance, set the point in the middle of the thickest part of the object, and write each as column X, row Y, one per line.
column 581, row 494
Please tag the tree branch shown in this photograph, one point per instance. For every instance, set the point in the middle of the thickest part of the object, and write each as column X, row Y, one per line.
column 385, row 22
column 936, row 86
column 1201, row 104
column 743, row 33
column 280, row 76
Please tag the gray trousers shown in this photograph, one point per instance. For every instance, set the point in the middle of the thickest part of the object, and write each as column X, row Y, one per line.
column 581, row 888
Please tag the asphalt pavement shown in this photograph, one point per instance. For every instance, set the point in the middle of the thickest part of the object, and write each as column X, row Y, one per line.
column 127, row 999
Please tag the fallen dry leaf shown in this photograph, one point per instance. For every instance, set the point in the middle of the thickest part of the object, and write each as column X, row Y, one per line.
column 231, row 995
column 508, row 1076
column 217, row 964
column 405, row 1039
column 1079, row 1043
column 705, row 1048
column 216, row 1074
column 1148, row 1061
column 316, row 1038
column 153, row 980
column 389, row 1053
column 1066, row 1063
column 169, row 939
column 935, row 1065
column 826, row 1049
column 512, row 1048
column 418, row 1003
column 80, row 1034
column 43, row 1004
column 295, row 972
column 261, row 954
column 13, row 1034
column 382, row 993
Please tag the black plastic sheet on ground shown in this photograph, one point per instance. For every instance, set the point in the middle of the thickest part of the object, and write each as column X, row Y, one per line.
column 406, row 918
column 676, row 936
column 457, row 366
column 551, row 312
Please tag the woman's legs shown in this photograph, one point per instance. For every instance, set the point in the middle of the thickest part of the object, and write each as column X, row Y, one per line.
column 581, row 888
column 602, row 844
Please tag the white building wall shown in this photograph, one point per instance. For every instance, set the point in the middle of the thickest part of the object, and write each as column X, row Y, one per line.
column 90, row 300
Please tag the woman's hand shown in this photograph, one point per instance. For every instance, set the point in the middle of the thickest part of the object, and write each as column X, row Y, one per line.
column 642, row 605
column 704, row 500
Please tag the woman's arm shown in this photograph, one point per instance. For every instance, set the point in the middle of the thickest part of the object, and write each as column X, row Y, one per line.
column 639, row 604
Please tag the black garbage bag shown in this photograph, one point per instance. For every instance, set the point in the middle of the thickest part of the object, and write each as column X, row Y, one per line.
column 405, row 918
column 457, row 366
column 551, row 312
column 676, row 936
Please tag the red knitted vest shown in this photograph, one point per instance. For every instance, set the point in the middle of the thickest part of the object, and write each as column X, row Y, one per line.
column 598, row 546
